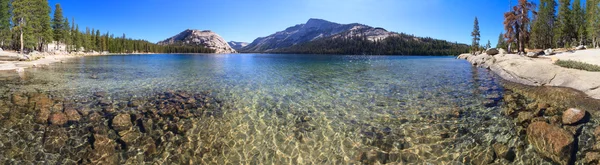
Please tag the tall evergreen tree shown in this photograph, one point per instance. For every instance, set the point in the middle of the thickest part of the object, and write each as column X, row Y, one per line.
column 578, row 17
column 593, row 21
column 476, row 36
column 67, row 35
column 44, row 30
column 565, row 31
column 58, row 25
column 98, row 41
column 501, row 42
column 488, row 45
column 5, row 14
column 23, row 20
column 542, row 31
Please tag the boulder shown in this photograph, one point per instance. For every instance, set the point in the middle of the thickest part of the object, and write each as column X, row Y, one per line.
column 503, row 151
column 572, row 115
column 492, row 51
column 72, row 114
column 19, row 99
column 524, row 117
column 531, row 54
column 580, row 47
column 549, row 52
column 551, row 141
column 502, row 51
column 58, row 118
column 104, row 150
column 541, row 52
column 122, row 122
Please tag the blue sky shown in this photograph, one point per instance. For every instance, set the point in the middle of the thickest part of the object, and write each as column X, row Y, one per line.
column 245, row 20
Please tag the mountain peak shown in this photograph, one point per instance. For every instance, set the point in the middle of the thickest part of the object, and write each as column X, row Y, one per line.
column 204, row 38
column 315, row 22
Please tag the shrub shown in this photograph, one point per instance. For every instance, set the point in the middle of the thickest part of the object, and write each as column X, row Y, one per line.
column 578, row 65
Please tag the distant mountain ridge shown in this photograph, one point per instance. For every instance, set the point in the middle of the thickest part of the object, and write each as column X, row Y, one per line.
column 312, row 30
column 318, row 36
column 237, row 45
column 204, row 38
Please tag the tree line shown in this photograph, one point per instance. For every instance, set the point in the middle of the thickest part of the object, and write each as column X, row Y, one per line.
column 402, row 44
column 25, row 25
column 551, row 24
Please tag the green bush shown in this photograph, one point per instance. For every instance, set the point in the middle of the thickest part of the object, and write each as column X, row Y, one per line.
column 578, row 65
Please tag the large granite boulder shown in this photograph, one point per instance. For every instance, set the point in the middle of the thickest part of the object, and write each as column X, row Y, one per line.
column 532, row 54
column 580, row 47
column 492, row 51
column 549, row 52
column 572, row 115
column 502, row 51
column 551, row 141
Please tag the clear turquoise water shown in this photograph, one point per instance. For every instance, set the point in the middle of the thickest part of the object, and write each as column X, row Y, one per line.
column 405, row 109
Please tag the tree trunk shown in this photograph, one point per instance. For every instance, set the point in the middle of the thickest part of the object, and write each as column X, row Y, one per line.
column 21, row 41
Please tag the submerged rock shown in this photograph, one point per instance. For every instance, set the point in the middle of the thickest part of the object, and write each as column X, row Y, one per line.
column 551, row 141
column 19, row 99
column 122, row 122
column 104, row 150
column 572, row 116
column 72, row 114
column 58, row 118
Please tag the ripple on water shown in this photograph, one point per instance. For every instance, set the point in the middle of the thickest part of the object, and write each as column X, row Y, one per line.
column 281, row 109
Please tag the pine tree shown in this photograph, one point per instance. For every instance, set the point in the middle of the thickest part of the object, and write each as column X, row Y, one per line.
column 501, row 42
column 579, row 21
column 516, row 24
column 98, row 41
column 23, row 20
column 542, row 31
column 44, row 28
column 565, row 31
column 592, row 21
column 67, row 35
column 58, row 25
column 5, row 14
column 488, row 45
column 476, row 36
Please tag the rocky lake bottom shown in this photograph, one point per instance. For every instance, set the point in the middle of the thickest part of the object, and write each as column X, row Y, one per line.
column 287, row 109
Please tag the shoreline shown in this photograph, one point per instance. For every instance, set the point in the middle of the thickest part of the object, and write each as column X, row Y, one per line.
column 19, row 66
column 542, row 71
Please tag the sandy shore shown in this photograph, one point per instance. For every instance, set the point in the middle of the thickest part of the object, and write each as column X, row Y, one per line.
column 8, row 65
column 541, row 71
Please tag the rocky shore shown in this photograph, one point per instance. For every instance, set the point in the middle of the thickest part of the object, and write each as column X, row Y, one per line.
column 43, row 129
column 560, row 124
column 541, row 71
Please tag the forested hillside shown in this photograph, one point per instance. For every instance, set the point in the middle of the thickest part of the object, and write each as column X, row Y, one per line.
column 402, row 44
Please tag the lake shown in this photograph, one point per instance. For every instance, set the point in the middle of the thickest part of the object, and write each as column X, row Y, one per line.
column 257, row 109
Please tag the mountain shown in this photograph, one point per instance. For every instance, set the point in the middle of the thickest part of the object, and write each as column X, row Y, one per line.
column 204, row 38
column 237, row 45
column 312, row 30
column 319, row 36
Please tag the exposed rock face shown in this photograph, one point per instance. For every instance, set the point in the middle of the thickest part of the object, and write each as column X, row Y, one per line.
column 551, row 141
column 237, row 45
column 572, row 116
column 205, row 38
column 312, row 30
column 537, row 72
